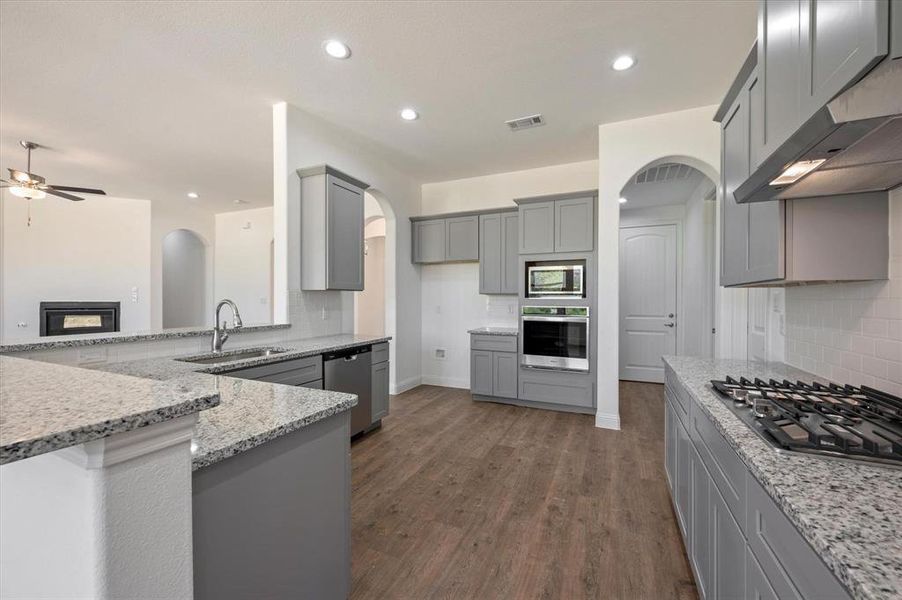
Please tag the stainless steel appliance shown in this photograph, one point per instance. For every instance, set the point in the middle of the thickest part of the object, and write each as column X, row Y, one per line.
column 349, row 371
column 555, row 337
column 559, row 279
column 835, row 421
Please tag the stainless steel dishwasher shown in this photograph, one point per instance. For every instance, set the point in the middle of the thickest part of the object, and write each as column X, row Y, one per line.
column 349, row 371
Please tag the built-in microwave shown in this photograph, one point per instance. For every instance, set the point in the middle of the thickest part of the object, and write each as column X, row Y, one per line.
column 556, row 279
column 555, row 337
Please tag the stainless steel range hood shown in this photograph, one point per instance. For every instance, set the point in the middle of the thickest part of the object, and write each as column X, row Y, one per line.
column 853, row 144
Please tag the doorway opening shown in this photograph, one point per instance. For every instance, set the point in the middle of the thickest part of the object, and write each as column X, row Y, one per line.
column 369, row 305
column 184, row 279
column 667, row 266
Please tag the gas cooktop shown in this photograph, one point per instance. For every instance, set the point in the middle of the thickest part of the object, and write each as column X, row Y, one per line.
column 858, row 423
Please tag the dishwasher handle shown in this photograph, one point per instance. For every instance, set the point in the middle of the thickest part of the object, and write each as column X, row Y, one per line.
column 348, row 354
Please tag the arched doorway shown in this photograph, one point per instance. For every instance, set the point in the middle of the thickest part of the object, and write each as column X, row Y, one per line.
column 667, row 265
column 184, row 279
column 369, row 307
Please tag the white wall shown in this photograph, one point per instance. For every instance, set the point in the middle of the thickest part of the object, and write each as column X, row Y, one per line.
column 243, row 262
column 94, row 250
column 303, row 140
column 688, row 136
column 369, row 304
column 184, row 279
column 852, row 332
column 451, row 303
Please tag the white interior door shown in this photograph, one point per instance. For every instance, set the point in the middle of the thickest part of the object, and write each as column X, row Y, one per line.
column 648, row 298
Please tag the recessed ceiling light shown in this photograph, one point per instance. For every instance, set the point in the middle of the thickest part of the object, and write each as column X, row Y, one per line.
column 192, row 194
column 622, row 63
column 336, row 49
column 409, row 114
column 622, row 200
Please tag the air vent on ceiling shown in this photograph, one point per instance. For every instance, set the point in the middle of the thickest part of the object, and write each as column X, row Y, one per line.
column 664, row 172
column 525, row 122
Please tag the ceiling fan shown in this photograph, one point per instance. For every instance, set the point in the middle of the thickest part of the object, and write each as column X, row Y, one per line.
column 30, row 186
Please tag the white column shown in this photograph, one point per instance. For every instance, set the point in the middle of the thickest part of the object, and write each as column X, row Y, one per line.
column 107, row 519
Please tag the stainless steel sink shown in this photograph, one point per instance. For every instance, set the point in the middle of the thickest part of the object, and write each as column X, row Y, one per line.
column 223, row 357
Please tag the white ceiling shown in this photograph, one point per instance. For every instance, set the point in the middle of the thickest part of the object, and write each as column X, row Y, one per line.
column 153, row 99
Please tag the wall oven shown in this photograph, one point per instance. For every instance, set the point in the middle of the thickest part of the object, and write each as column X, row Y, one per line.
column 559, row 279
column 555, row 337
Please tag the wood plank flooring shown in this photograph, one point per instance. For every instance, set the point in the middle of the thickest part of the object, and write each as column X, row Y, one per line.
column 460, row 499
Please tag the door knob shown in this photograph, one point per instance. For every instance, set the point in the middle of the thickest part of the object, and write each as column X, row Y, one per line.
column 670, row 316
column 668, row 324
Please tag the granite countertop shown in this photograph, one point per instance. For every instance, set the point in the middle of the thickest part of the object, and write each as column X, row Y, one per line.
column 119, row 337
column 849, row 512
column 250, row 413
column 46, row 407
column 511, row 331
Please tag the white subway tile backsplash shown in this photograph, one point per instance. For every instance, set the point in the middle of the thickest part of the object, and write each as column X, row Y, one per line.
column 852, row 332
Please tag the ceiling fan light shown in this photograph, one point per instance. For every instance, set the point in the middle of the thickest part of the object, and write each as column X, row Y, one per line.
column 27, row 192
column 20, row 176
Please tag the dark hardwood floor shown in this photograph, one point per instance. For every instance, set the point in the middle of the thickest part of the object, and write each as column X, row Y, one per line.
column 460, row 499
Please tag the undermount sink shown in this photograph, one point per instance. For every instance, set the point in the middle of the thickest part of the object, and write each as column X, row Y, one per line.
column 221, row 357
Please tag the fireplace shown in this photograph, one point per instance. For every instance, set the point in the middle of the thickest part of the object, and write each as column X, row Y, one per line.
column 74, row 318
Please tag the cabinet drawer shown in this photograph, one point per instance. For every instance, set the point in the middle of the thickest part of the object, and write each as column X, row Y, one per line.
column 308, row 369
column 791, row 566
column 725, row 467
column 495, row 343
column 556, row 387
column 681, row 397
column 380, row 353
column 316, row 384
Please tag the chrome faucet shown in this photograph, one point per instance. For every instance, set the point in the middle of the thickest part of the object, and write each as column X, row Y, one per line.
column 220, row 334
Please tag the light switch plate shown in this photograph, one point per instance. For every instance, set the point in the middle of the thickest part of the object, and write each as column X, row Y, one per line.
column 439, row 354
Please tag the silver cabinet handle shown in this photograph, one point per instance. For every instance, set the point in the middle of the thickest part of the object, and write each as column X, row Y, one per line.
column 350, row 358
column 668, row 324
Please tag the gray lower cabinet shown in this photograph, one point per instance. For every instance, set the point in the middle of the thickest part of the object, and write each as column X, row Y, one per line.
column 739, row 542
column 379, row 383
column 305, row 372
column 560, row 388
column 498, row 252
column 451, row 239
column 562, row 223
column 493, row 373
column 331, row 230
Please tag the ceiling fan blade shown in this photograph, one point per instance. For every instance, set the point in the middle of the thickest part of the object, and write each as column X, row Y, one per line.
column 67, row 188
column 56, row 192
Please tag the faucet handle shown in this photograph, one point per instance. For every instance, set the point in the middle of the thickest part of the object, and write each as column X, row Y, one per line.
column 225, row 332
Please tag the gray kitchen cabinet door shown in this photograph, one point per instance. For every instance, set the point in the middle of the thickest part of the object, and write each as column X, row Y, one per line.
column 574, row 224
column 895, row 43
column 735, row 166
column 536, row 227
column 509, row 253
column 779, row 59
column 699, row 494
column 345, row 236
column 505, row 369
column 670, row 439
column 491, row 253
column 840, row 40
column 481, row 372
column 683, row 446
column 727, row 550
column 429, row 241
column 757, row 587
column 379, row 386
column 462, row 238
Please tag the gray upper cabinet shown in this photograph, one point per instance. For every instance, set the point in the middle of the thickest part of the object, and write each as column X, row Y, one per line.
column 331, row 229
column 808, row 52
column 462, row 238
column 839, row 41
column 536, row 228
column 449, row 239
column 498, row 250
column 429, row 241
column 561, row 223
column 574, row 222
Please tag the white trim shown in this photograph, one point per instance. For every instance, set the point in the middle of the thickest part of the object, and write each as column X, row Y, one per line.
column 451, row 382
column 403, row 386
column 607, row 421
column 121, row 447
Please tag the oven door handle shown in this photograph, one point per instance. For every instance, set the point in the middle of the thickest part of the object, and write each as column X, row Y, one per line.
column 556, row 319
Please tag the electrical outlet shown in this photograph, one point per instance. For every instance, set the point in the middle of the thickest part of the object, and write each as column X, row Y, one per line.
column 324, row 313
column 439, row 354
column 135, row 294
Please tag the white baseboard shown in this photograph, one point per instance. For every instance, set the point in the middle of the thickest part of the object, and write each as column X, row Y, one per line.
column 607, row 420
column 403, row 386
column 452, row 382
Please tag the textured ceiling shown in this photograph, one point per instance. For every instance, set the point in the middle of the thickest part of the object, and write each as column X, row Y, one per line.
column 153, row 99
